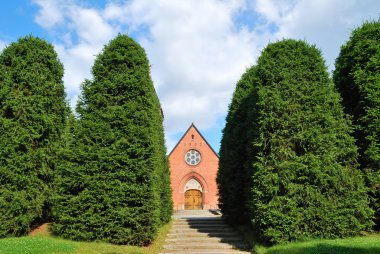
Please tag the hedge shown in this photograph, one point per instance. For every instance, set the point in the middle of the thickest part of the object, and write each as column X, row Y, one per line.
column 114, row 177
column 357, row 78
column 306, row 183
column 32, row 116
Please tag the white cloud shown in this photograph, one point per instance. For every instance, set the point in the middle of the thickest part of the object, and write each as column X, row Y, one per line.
column 2, row 45
column 326, row 23
column 114, row 11
column 50, row 13
column 196, row 49
column 90, row 26
column 274, row 11
column 197, row 56
column 77, row 61
column 82, row 33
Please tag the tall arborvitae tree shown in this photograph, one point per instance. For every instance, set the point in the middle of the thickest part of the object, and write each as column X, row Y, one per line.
column 32, row 116
column 233, row 180
column 305, row 178
column 114, row 178
column 357, row 77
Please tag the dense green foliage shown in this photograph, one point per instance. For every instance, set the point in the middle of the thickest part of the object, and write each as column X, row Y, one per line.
column 114, row 178
column 301, row 158
column 32, row 117
column 357, row 77
column 233, row 179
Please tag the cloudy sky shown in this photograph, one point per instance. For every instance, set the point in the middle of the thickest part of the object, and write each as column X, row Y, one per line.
column 198, row 49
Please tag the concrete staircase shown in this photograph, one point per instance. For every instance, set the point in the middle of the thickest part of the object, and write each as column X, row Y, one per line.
column 203, row 232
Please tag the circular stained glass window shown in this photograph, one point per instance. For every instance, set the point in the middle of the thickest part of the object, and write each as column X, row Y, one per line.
column 193, row 157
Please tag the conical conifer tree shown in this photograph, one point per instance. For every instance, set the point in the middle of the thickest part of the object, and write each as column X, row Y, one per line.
column 32, row 117
column 357, row 77
column 114, row 178
column 234, row 182
column 305, row 178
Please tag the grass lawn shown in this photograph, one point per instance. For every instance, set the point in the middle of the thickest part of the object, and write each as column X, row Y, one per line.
column 356, row 245
column 45, row 243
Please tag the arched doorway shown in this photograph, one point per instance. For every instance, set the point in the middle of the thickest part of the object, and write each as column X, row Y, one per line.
column 193, row 195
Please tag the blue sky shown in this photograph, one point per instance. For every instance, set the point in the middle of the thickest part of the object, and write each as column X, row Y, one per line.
column 198, row 49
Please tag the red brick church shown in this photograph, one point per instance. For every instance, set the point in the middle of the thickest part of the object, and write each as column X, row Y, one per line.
column 193, row 169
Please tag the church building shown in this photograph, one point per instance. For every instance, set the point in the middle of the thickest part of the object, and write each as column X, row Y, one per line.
column 193, row 169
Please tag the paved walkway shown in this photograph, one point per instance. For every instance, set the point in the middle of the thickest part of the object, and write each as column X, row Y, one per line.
column 200, row 231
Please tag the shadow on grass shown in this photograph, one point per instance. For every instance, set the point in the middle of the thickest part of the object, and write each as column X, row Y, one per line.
column 325, row 249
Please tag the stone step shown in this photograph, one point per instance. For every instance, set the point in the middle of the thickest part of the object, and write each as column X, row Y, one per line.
column 201, row 230
column 200, row 227
column 220, row 251
column 202, row 234
column 215, row 222
column 204, row 246
column 200, row 219
column 228, row 239
column 211, row 212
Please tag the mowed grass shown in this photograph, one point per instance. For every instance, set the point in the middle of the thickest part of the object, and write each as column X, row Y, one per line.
column 369, row 244
column 44, row 243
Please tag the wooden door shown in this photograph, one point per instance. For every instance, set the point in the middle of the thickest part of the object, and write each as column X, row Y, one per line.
column 193, row 200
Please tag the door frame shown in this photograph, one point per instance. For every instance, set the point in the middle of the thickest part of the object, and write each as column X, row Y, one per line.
column 200, row 179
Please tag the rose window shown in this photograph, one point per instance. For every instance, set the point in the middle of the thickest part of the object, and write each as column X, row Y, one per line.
column 193, row 157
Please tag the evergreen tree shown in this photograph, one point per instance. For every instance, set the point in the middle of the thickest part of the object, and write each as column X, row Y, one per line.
column 357, row 77
column 32, row 117
column 114, row 178
column 305, row 178
column 233, row 179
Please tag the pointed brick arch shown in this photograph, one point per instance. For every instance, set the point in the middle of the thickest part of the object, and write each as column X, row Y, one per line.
column 192, row 175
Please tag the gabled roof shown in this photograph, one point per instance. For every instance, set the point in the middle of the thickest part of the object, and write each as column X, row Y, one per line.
column 200, row 134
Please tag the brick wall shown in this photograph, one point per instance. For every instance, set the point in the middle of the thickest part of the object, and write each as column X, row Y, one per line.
column 204, row 172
